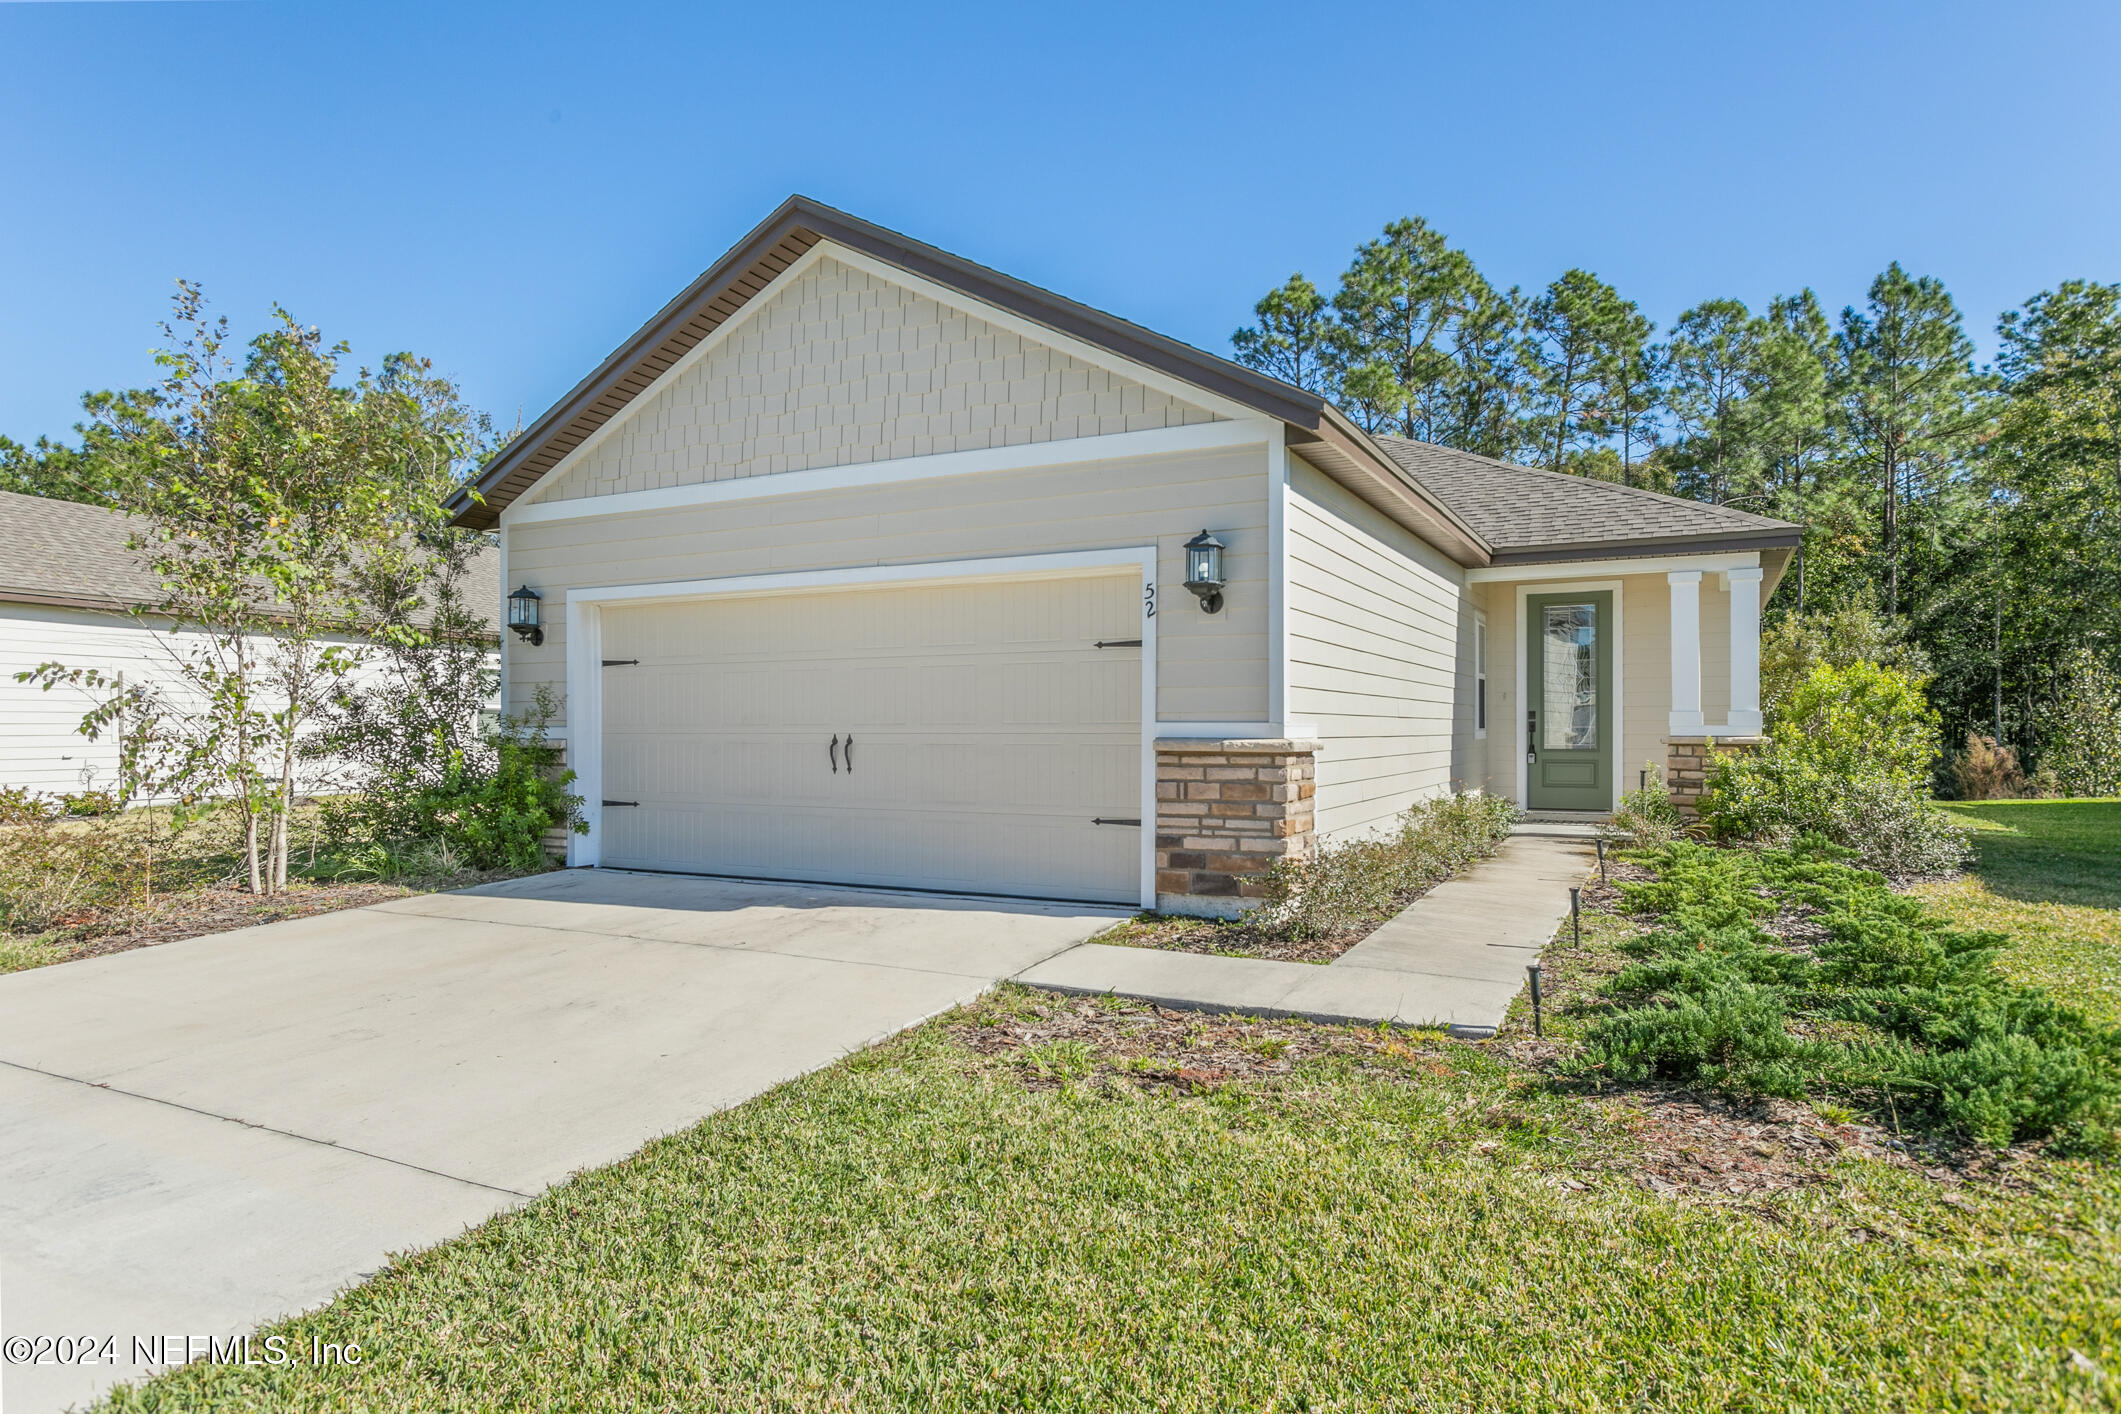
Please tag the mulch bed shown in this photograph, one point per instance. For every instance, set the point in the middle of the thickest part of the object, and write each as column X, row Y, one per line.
column 212, row 910
column 1681, row 1144
column 1157, row 1048
column 1238, row 938
column 1235, row 938
column 1687, row 1143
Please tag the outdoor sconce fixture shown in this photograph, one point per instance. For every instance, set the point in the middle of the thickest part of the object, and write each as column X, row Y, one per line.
column 1204, row 571
column 523, row 614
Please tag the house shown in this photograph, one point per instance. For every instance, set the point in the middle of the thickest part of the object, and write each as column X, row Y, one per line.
column 68, row 585
column 863, row 563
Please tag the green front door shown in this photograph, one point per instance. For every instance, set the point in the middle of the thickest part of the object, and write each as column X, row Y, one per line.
column 1569, row 704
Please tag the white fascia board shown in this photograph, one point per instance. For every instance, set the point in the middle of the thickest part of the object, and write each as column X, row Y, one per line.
column 983, row 461
column 1721, row 562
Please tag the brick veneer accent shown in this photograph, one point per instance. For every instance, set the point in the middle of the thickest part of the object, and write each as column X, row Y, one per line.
column 1225, row 811
column 1686, row 765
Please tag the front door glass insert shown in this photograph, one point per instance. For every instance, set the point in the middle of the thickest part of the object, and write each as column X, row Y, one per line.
column 1570, row 633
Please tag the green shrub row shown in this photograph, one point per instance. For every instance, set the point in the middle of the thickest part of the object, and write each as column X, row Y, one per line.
column 1891, row 1005
column 1368, row 879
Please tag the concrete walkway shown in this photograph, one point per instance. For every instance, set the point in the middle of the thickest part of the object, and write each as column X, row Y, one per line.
column 1455, row 957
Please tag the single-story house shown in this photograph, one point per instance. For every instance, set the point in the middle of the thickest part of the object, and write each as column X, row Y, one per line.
column 863, row 563
column 69, row 583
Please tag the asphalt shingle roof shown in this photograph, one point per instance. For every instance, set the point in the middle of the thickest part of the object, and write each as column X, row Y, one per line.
column 64, row 552
column 1523, row 509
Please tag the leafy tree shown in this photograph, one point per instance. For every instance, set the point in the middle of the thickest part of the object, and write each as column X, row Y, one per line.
column 1395, row 318
column 264, row 490
column 1908, row 397
column 1480, row 407
column 1412, row 341
column 2080, row 730
column 1290, row 340
column 98, row 472
column 1634, row 378
column 1575, row 330
column 1718, row 372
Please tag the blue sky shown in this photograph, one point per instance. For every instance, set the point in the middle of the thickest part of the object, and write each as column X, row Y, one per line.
column 512, row 188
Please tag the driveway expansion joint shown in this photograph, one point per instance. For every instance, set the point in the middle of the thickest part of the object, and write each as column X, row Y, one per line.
column 262, row 1128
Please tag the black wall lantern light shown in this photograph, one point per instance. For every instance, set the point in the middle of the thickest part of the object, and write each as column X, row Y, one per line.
column 1204, row 571
column 523, row 614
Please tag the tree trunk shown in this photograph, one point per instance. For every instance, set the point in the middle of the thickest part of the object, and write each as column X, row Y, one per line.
column 250, row 845
column 1892, row 533
column 1996, row 642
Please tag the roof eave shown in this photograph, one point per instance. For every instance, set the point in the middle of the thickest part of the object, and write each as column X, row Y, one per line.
column 1642, row 546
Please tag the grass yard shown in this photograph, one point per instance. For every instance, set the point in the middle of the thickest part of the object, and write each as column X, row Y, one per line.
column 1056, row 1204
column 2048, row 872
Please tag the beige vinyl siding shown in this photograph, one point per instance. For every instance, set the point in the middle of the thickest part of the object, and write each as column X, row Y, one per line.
column 1380, row 643
column 1210, row 667
column 838, row 367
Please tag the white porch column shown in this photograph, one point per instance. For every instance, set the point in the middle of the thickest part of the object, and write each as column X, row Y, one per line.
column 1744, row 585
column 1686, row 651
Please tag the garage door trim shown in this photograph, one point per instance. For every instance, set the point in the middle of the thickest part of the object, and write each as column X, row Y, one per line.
column 585, row 643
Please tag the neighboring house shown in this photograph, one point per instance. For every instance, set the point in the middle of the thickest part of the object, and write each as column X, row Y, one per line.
column 68, row 583
column 863, row 563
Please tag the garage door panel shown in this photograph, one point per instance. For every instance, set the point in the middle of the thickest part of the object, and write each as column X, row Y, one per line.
column 989, row 731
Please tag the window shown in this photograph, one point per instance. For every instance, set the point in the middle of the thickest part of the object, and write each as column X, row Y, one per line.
column 1480, row 675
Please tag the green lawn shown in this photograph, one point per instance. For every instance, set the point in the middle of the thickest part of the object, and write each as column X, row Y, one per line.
column 1388, row 1224
column 2048, row 872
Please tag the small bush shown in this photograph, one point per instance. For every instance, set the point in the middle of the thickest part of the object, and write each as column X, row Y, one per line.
column 1839, row 637
column 1366, row 880
column 1846, row 760
column 1647, row 817
column 2080, row 734
column 490, row 807
column 1987, row 770
column 1895, row 1003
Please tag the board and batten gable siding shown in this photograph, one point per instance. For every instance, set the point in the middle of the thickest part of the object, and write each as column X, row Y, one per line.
column 1210, row 667
column 840, row 367
column 1380, row 643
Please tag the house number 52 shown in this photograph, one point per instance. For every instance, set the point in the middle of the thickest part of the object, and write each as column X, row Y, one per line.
column 1149, row 599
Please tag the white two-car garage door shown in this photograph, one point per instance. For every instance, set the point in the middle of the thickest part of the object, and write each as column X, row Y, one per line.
column 962, row 736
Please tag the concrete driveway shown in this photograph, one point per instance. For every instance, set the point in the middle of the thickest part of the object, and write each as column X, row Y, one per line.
column 200, row 1137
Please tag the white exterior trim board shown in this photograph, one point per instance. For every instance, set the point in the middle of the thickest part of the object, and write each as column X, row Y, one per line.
column 1571, row 569
column 984, row 461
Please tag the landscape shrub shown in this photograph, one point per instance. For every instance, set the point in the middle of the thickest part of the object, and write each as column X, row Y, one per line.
column 1847, row 759
column 2080, row 733
column 1839, row 637
column 1647, row 816
column 1987, row 770
column 490, row 801
column 1367, row 879
column 1893, row 1003
column 53, row 868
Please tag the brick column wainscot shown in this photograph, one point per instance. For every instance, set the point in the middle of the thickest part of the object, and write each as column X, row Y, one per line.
column 1225, row 811
column 1686, row 766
